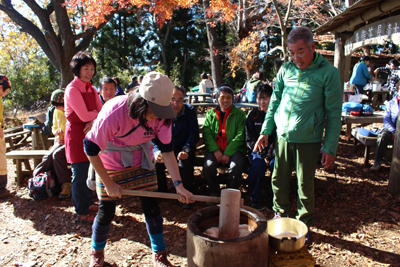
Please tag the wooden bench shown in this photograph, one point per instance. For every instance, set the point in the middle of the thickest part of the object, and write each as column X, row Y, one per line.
column 22, row 157
column 17, row 139
column 367, row 141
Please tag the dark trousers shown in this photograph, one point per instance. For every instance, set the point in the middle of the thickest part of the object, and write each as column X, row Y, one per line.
column 360, row 89
column 186, row 169
column 107, row 209
column 235, row 166
column 81, row 194
column 56, row 161
column 385, row 138
column 257, row 175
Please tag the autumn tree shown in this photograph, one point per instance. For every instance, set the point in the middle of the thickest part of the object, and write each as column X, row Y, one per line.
column 161, row 10
column 32, row 76
column 55, row 30
column 255, row 20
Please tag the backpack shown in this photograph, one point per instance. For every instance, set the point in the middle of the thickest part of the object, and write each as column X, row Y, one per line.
column 351, row 106
column 42, row 186
column 363, row 109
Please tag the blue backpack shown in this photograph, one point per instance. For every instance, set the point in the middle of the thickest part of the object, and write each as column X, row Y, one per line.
column 42, row 186
column 353, row 106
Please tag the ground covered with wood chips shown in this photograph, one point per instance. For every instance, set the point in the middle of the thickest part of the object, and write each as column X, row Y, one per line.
column 357, row 223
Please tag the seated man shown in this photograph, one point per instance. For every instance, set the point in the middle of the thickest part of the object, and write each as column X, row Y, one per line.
column 108, row 89
column 224, row 137
column 185, row 135
column 387, row 134
column 259, row 160
column 55, row 160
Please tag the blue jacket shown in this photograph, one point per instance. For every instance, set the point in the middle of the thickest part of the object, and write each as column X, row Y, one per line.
column 185, row 130
column 360, row 74
column 391, row 113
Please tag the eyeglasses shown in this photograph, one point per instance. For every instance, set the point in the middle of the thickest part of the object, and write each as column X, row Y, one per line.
column 293, row 55
column 225, row 97
column 177, row 101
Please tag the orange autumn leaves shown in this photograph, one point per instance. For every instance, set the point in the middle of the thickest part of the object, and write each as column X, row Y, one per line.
column 95, row 11
column 243, row 55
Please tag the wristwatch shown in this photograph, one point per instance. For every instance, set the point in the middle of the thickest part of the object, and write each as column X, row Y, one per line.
column 176, row 183
column 186, row 149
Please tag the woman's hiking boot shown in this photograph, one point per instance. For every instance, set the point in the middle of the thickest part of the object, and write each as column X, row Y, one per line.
column 65, row 191
column 96, row 258
column 160, row 259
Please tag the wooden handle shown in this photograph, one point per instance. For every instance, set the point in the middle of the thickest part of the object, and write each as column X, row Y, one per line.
column 171, row 196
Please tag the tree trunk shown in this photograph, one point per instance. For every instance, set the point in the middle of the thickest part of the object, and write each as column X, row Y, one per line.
column 214, row 48
column 163, row 42
column 214, row 55
column 394, row 176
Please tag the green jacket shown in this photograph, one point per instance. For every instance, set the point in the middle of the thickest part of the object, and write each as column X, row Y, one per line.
column 303, row 101
column 234, row 130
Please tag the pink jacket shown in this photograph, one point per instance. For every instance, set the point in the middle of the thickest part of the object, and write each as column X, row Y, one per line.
column 75, row 103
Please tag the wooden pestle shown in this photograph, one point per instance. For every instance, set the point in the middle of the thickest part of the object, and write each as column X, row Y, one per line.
column 229, row 214
column 170, row 196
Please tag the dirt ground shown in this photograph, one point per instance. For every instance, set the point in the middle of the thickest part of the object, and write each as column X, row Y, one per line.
column 357, row 223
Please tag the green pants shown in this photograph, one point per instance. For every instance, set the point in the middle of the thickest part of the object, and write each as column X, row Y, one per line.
column 303, row 157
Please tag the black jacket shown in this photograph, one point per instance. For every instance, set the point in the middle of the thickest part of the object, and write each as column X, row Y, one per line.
column 254, row 123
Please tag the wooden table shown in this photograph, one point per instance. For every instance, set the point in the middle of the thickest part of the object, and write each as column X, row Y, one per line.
column 247, row 106
column 196, row 95
column 363, row 120
column 375, row 95
column 17, row 139
column 37, row 139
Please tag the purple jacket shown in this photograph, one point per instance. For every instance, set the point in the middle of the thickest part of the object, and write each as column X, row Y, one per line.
column 391, row 113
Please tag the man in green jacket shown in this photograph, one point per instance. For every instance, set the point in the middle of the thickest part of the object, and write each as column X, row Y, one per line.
column 224, row 137
column 307, row 96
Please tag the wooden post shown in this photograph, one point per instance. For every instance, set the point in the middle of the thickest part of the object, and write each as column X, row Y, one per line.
column 339, row 56
column 394, row 176
column 347, row 65
column 229, row 214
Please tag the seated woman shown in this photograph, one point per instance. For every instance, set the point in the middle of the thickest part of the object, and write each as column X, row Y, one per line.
column 56, row 160
column 224, row 137
column 387, row 134
column 260, row 160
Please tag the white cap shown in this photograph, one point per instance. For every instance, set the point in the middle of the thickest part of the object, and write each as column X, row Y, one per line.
column 157, row 89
